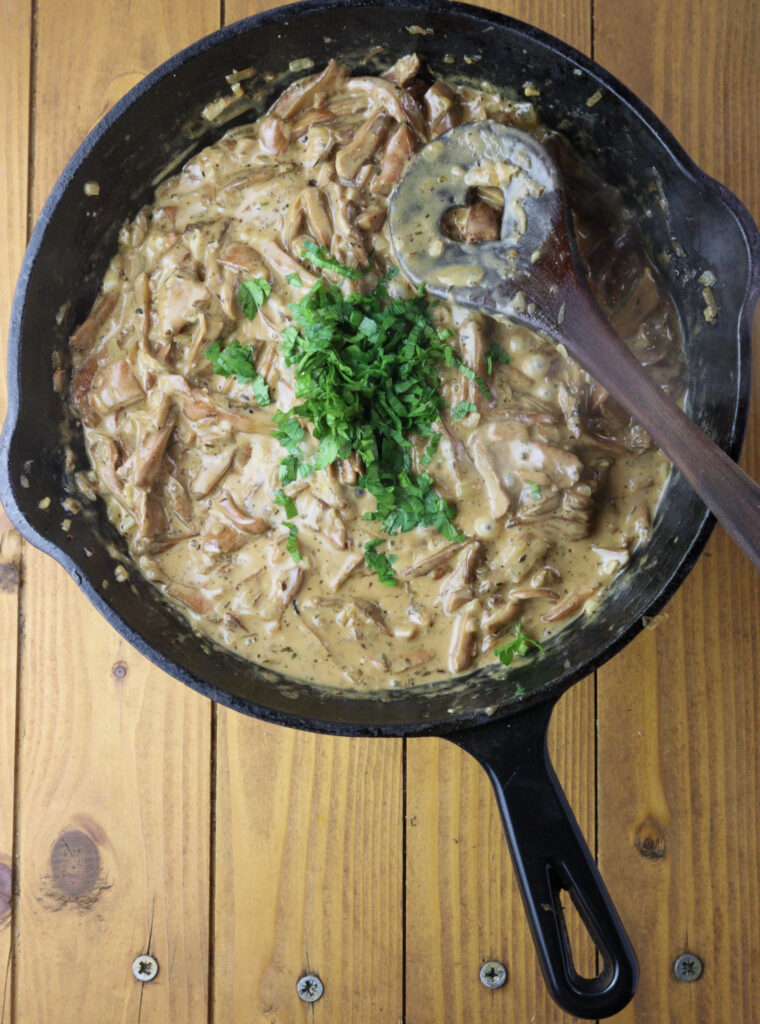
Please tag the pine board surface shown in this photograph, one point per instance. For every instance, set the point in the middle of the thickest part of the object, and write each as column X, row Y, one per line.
column 244, row 854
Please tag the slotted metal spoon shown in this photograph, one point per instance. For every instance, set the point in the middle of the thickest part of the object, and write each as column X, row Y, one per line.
column 532, row 275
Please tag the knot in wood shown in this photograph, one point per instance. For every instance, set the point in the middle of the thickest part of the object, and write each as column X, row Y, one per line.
column 649, row 840
column 74, row 864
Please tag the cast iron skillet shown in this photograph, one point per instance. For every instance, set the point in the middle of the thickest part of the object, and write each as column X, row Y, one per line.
column 501, row 720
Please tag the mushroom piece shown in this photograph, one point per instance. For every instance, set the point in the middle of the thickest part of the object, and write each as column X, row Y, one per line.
column 150, row 515
column 248, row 524
column 114, row 387
column 149, row 456
column 286, row 587
column 309, row 92
column 496, row 493
column 362, row 147
column 274, row 134
column 392, row 98
column 314, row 207
column 401, row 146
column 570, row 604
column 242, row 258
column 425, row 563
column 221, row 538
column 324, row 520
column 442, row 108
column 283, row 263
column 213, row 468
column 464, row 637
column 483, row 224
column 457, row 589
column 191, row 597
column 404, row 69
column 80, row 389
column 84, row 336
column 178, row 303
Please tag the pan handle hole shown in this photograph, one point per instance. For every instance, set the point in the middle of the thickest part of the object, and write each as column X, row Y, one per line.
column 584, row 954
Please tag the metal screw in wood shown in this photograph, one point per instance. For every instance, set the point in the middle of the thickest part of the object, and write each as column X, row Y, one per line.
column 309, row 988
column 145, row 967
column 688, row 967
column 493, row 974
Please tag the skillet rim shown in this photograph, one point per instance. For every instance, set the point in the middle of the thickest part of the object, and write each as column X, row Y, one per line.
column 552, row 689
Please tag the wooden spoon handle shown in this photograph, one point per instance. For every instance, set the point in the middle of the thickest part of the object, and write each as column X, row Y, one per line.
column 732, row 496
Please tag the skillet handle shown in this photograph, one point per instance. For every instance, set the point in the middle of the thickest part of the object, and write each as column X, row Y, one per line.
column 549, row 855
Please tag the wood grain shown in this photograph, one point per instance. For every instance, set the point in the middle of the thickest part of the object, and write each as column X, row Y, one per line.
column 309, row 843
column 113, row 768
column 15, row 59
column 462, row 905
column 679, row 714
column 309, row 839
column 115, row 759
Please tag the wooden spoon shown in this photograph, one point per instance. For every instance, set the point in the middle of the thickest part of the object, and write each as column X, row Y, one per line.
column 533, row 276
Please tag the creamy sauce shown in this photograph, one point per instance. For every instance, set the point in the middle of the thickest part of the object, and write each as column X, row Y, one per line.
column 554, row 486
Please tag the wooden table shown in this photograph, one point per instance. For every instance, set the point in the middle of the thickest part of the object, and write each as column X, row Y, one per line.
column 136, row 817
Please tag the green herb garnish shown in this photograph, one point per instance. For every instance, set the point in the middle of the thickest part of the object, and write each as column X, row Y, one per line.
column 535, row 490
column 496, row 354
column 320, row 257
column 292, row 544
column 261, row 391
column 288, row 431
column 522, row 644
column 380, row 563
column 463, row 409
column 253, row 294
column 366, row 380
column 237, row 360
column 452, row 359
column 281, row 498
column 431, row 449
column 294, row 279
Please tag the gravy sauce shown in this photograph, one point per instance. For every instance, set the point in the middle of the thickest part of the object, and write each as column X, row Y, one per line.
column 553, row 485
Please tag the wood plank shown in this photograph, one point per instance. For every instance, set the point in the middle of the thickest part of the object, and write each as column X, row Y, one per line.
column 463, row 906
column 679, row 769
column 309, row 838
column 15, row 56
column 325, row 851
column 114, row 757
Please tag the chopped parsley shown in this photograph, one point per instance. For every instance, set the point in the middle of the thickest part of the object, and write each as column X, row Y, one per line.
column 281, row 498
column 535, row 490
column 294, row 279
column 380, row 563
column 496, row 354
column 237, row 360
column 261, row 391
column 431, row 449
column 292, row 545
column 522, row 644
column 288, row 431
column 452, row 359
column 463, row 409
column 366, row 379
column 320, row 257
column 253, row 294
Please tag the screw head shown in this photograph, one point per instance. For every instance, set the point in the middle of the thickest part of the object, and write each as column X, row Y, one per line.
column 688, row 967
column 309, row 988
column 145, row 967
column 493, row 974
